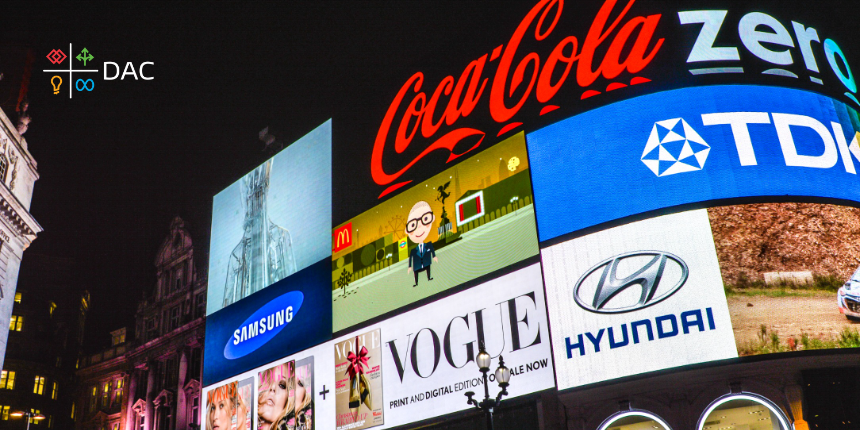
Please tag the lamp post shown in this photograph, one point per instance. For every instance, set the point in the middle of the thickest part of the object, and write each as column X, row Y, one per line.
column 503, row 375
column 29, row 415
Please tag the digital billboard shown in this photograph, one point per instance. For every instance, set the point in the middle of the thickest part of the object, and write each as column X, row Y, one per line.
column 230, row 406
column 410, row 367
column 637, row 298
column 664, row 193
column 467, row 221
column 273, row 222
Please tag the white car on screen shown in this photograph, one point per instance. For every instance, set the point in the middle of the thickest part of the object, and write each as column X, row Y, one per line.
column 848, row 298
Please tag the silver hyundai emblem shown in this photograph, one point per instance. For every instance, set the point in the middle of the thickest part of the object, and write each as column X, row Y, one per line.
column 657, row 274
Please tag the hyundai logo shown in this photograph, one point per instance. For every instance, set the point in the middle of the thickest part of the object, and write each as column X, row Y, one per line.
column 656, row 274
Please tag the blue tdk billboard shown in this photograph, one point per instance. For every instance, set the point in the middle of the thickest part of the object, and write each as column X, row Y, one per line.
column 692, row 146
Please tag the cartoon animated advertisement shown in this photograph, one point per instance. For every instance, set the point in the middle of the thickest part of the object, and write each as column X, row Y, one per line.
column 285, row 396
column 358, row 376
column 467, row 221
column 230, row 406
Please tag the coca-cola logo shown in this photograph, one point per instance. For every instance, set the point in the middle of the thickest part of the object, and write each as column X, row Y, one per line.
column 416, row 113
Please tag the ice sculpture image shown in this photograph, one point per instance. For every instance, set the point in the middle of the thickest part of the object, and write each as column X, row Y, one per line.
column 264, row 255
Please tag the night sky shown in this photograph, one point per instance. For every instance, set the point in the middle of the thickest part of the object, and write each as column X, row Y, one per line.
column 118, row 163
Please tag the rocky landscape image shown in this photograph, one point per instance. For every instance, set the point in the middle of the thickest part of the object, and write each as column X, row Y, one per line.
column 758, row 240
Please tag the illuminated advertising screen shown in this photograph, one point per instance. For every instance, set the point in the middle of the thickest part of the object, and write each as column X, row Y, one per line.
column 230, row 406
column 666, row 192
column 636, row 298
column 269, row 260
column 411, row 367
column 273, row 222
column 465, row 222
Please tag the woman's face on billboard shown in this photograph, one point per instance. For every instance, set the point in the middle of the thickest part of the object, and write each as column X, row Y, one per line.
column 220, row 416
column 274, row 400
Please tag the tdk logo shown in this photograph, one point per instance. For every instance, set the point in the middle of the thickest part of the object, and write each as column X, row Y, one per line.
column 630, row 282
column 674, row 147
column 652, row 276
column 263, row 325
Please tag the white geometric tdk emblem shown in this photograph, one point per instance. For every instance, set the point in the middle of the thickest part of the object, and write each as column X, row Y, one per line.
column 674, row 149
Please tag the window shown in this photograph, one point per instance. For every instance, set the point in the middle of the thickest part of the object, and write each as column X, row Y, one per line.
column 119, row 384
column 195, row 410
column 633, row 419
column 59, row 362
column 106, row 395
column 55, row 390
column 94, row 392
column 195, row 364
column 7, row 379
column 50, row 421
column 73, row 411
column 17, row 297
column 34, row 412
column 51, row 308
column 747, row 410
column 4, row 165
column 4, row 413
column 17, row 323
column 115, row 426
column 174, row 317
column 150, row 329
column 39, row 385
column 199, row 305
column 178, row 279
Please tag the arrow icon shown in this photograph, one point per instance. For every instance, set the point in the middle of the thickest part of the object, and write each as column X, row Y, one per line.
column 84, row 56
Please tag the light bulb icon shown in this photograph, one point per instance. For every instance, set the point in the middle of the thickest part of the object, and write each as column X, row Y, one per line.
column 56, row 85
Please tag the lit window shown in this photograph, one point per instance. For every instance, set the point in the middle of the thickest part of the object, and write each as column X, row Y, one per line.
column 17, row 323
column 7, row 379
column 119, row 384
column 93, row 398
column 106, row 395
column 4, row 413
column 54, row 390
column 51, row 308
column 634, row 419
column 34, row 412
column 17, row 297
column 747, row 411
column 39, row 385
column 73, row 411
column 50, row 421
column 115, row 426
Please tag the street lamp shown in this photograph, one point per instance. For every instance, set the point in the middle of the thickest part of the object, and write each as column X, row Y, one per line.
column 503, row 375
column 29, row 415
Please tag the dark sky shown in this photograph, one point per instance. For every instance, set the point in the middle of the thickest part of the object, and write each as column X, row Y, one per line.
column 118, row 163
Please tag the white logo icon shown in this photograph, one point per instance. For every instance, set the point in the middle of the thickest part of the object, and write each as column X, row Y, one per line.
column 674, row 147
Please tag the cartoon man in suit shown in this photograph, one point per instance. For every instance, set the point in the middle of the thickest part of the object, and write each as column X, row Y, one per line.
column 418, row 226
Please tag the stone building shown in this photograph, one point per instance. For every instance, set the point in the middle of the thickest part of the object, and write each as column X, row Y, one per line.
column 153, row 381
column 18, row 228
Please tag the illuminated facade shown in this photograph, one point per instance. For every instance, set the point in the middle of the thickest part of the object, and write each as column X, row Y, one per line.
column 18, row 228
column 152, row 382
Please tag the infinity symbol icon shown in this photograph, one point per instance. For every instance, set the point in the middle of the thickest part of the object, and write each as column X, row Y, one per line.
column 81, row 85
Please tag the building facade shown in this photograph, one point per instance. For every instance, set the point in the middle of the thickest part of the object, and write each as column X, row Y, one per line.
column 152, row 382
column 18, row 228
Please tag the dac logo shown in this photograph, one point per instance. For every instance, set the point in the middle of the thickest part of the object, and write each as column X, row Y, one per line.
column 342, row 238
column 57, row 57
column 656, row 274
column 674, row 149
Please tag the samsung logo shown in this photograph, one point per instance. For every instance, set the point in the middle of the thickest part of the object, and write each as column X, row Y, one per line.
column 263, row 325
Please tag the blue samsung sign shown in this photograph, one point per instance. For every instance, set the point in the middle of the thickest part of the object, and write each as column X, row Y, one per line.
column 691, row 146
column 290, row 315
